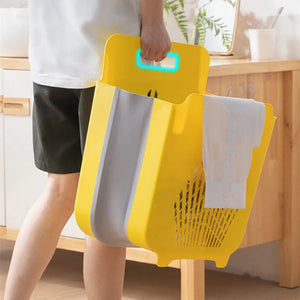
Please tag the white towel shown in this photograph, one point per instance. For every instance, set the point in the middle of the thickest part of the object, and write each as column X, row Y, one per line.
column 231, row 128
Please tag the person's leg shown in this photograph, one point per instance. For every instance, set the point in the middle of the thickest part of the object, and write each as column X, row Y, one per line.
column 39, row 235
column 103, row 270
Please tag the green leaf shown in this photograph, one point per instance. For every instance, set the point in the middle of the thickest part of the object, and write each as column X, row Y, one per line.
column 176, row 7
column 215, row 25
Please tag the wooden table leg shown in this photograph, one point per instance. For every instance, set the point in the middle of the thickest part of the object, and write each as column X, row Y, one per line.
column 192, row 279
column 290, row 244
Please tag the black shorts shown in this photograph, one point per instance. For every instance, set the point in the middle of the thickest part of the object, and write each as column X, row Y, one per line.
column 60, row 121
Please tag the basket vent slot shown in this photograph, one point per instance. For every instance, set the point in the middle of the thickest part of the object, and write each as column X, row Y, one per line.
column 196, row 226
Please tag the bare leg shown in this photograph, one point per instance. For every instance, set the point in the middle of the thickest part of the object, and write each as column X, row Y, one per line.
column 103, row 270
column 39, row 235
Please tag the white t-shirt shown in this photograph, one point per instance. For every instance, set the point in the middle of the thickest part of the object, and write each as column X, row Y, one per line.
column 67, row 38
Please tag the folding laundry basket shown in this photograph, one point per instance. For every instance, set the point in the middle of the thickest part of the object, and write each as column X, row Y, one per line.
column 142, row 182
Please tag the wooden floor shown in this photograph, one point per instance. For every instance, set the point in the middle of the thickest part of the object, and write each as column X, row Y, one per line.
column 63, row 280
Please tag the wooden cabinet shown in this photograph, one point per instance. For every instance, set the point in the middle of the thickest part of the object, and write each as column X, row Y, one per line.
column 20, row 181
column 231, row 86
column 2, row 192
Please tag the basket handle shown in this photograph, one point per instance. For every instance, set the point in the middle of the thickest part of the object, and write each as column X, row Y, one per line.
column 157, row 66
column 122, row 67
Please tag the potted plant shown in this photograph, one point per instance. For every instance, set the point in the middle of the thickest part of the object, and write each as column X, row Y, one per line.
column 203, row 21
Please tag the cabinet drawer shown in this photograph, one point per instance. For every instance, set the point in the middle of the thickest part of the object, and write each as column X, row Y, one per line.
column 24, row 182
column 228, row 86
column 17, row 84
column 16, row 93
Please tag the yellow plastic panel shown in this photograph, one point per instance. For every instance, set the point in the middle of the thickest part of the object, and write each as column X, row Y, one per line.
column 120, row 69
column 94, row 140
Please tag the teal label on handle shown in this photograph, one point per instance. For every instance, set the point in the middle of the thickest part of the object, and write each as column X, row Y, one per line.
column 156, row 67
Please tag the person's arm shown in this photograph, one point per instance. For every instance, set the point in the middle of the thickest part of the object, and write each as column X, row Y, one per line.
column 155, row 40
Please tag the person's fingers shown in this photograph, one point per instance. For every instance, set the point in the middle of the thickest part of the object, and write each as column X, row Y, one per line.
column 146, row 48
column 158, row 52
column 162, row 53
column 157, row 55
column 150, row 54
column 160, row 59
column 154, row 48
column 145, row 51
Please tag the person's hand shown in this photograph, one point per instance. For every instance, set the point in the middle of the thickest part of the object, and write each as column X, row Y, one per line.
column 155, row 41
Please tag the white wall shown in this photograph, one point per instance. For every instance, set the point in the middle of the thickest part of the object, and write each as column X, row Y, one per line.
column 13, row 3
column 253, row 14
column 259, row 14
column 258, row 261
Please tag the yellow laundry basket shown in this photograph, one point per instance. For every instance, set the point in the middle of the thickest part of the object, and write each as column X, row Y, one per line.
column 142, row 182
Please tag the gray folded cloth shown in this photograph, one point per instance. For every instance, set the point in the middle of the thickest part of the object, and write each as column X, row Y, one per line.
column 231, row 128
